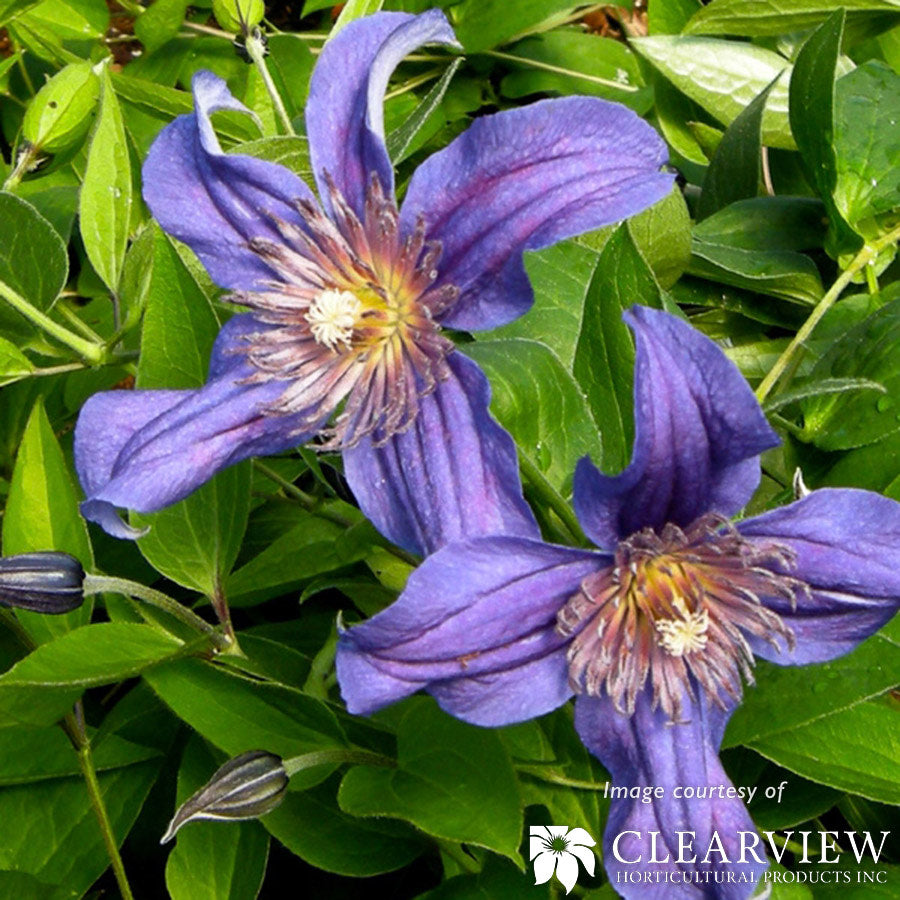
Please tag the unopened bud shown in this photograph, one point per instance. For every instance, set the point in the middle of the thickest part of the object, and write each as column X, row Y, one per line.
column 61, row 112
column 246, row 787
column 47, row 582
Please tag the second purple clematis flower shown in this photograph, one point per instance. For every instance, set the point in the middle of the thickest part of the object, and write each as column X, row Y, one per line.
column 348, row 295
column 655, row 632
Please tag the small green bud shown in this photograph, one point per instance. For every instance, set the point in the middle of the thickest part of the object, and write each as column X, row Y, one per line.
column 238, row 15
column 47, row 582
column 60, row 114
column 246, row 787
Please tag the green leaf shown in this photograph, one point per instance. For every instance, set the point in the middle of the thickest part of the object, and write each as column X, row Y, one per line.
column 102, row 653
column 677, row 116
column 867, row 143
column 816, row 691
column 179, row 324
column 70, row 851
column 40, row 688
column 869, row 350
column 76, row 23
column 670, row 16
column 290, row 65
column 604, row 356
column 307, row 549
column 483, row 24
column 498, row 880
column 29, row 754
column 818, row 387
column 42, row 514
column 400, row 139
column 723, row 77
column 849, row 750
column 137, row 276
column 572, row 62
column 766, row 223
column 452, row 780
column 105, row 201
column 338, row 842
column 355, row 9
column 238, row 714
column 14, row 364
column 662, row 235
column 779, row 273
column 213, row 860
column 9, row 9
column 560, row 276
column 33, row 260
column 812, row 120
column 540, row 404
column 291, row 151
column 60, row 114
column 756, row 18
column 734, row 170
column 159, row 23
column 194, row 542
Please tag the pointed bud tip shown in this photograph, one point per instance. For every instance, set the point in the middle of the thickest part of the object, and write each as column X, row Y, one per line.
column 246, row 787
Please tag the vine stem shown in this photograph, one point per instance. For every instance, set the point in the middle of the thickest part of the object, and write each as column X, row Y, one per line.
column 860, row 261
column 97, row 584
column 338, row 755
column 74, row 726
column 313, row 505
column 256, row 51
column 559, row 70
column 93, row 353
column 546, row 492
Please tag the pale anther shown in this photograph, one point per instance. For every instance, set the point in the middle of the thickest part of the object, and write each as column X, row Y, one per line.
column 684, row 635
column 332, row 317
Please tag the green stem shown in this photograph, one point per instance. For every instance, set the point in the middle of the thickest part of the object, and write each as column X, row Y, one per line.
column 458, row 855
column 256, row 52
column 58, row 370
column 95, row 354
column 208, row 29
column 430, row 75
column 551, row 497
column 338, row 755
column 74, row 726
column 860, row 261
column 313, row 505
column 559, row 70
column 68, row 313
column 98, row 584
column 23, row 165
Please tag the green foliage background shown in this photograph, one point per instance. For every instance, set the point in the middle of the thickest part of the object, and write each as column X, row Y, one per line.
column 782, row 117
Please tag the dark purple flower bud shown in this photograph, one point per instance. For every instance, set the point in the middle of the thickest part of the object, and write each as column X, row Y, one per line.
column 46, row 582
column 246, row 787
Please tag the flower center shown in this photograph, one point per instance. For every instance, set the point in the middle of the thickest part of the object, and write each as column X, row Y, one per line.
column 332, row 316
column 559, row 845
column 677, row 609
column 684, row 634
column 349, row 318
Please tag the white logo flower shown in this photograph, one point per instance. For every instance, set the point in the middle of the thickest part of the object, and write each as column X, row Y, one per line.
column 556, row 849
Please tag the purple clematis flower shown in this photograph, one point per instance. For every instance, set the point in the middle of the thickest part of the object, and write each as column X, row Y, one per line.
column 348, row 294
column 655, row 632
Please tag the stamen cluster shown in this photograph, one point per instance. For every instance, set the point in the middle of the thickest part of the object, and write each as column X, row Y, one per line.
column 352, row 314
column 678, row 608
